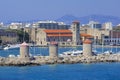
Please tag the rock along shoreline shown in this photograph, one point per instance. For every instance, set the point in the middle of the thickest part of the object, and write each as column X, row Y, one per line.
column 40, row 60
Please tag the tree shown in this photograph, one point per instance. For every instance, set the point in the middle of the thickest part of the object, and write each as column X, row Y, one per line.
column 22, row 35
column 0, row 40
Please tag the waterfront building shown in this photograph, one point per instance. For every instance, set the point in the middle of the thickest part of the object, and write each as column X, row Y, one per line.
column 8, row 36
column 113, row 38
column 63, row 37
column 96, row 33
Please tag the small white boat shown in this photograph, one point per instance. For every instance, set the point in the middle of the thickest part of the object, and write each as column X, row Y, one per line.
column 6, row 48
column 75, row 52
column 11, row 46
column 71, row 53
column 108, row 52
column 11, row 55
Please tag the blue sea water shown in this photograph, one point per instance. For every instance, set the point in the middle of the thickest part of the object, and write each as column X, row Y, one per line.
column 94, row 71
column 35, row 50
column 98, row 71
column 45, row 50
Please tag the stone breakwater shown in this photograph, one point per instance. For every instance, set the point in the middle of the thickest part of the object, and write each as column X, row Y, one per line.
column 39, row 60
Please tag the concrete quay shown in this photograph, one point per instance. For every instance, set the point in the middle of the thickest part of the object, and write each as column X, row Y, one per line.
column 77, row 59
column 40, row 60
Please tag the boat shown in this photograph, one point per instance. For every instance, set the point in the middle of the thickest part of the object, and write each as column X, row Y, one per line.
column 108, row 52
column 11, row 46
column 6, row 48
column 71, row 53
column 76, row 52
column 11, row 56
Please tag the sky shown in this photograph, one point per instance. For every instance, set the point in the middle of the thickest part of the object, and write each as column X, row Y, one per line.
column 22, row 10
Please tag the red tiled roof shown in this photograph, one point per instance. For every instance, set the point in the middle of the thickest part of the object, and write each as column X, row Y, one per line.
column 85, row 35
column 53, row 42
column 57, row 31
column 87, row 41
column 63, row 33
column 55, row 35
column 24, row 44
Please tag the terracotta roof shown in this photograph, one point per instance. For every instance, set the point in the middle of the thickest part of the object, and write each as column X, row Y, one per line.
column 57, row 31
column 87, row 41
column 24, row 44
column 85, row 35
column 53, row 43
column 55, row 35
column 63, row 33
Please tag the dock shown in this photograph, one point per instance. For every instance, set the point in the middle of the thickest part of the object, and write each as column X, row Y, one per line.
column 86, row 57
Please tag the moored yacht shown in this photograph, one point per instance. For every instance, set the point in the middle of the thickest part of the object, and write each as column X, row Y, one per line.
column 76, row 52
column 71, row 53
column 11, row 46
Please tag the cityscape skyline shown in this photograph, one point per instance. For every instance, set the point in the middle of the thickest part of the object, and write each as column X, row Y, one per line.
column 23, row 10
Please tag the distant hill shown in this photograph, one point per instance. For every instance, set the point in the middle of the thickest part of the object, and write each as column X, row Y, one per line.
column 85, row 19
column 68, row 19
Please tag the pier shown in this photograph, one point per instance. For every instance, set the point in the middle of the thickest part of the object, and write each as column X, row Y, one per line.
column 86, row 57
column 40, row 60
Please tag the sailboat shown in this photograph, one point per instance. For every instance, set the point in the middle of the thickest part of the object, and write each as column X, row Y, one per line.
column 117, row 42
column 73, row 52
column 110, row 51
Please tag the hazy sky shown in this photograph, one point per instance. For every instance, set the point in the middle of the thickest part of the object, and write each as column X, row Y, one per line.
column 53, row 9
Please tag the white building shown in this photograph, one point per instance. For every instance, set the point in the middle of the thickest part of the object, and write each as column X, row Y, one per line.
column 15, row 25
column 28, row 25
column 107, row 26
column 51, row 25
column 112, row 41
column 94, row 24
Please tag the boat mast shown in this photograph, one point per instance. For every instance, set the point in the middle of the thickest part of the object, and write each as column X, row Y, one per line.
column 95, row 37
column 111, row 39
column 102, row 43
column 116, row 40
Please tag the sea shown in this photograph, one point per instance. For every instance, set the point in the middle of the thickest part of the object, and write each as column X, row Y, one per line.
column 79, row 71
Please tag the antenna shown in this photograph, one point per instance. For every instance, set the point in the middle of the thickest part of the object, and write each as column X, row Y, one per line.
column 116, row 40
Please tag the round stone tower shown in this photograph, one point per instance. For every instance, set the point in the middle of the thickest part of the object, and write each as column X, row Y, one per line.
column 24, row 50
column 87, row 48
column 53, row 49
column 75, row 33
